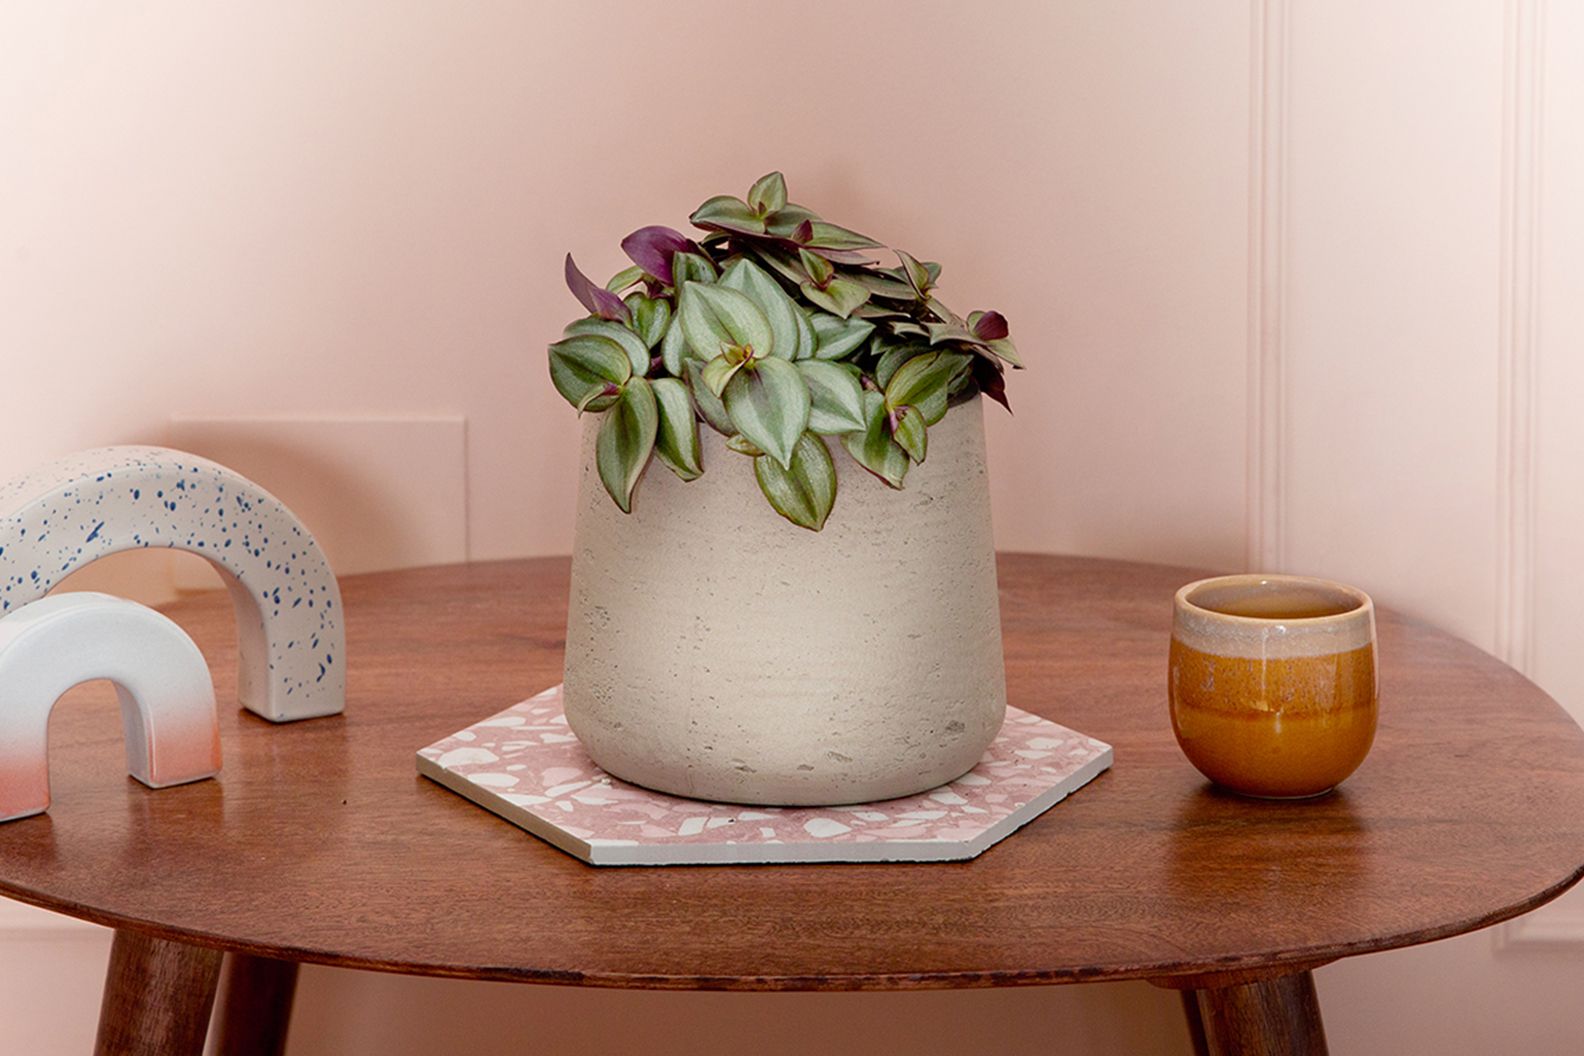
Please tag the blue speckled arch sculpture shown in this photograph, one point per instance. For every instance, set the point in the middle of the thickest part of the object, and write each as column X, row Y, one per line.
column 68, row 513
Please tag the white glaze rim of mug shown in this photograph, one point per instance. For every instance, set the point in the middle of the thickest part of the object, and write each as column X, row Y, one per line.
column 1267, row 637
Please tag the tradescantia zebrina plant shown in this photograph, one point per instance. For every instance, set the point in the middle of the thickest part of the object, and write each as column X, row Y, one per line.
column 776, row 329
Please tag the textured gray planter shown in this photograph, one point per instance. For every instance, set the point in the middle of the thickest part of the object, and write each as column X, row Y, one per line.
column 716, row 651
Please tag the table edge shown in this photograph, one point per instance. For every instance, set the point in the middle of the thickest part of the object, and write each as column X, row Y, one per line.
column 1296, row 959
column 1282, row 962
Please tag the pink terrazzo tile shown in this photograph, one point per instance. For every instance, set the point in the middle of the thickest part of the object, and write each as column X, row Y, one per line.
column 527, row 766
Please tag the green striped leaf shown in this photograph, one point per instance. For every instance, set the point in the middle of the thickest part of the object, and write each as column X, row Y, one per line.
column 631, row 343
column 753, row 282
column 709, row 405
column 625, row 441
column 715, row 319
column 769, row 404
column 720, row 370
column 873, row 449
column 725, row 213
column 651, row 317
column 767, row 194
column 835, row 397
column 819, row 269
column 917, row 275
column 677, row 440
column 624, row 278
column 691, row 267
column 882, row 285
column 586, row 369
column 841, row 297
column 923, row 382
column 808, row 340
column 785, row 221
column 836, row 337
column 674, row 348
column 824, row 235
column 910, row 433
column 780, row 261
column 804, row 491
column 891, row 359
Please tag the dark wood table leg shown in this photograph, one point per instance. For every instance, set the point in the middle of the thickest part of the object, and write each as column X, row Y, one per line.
column 1278, row 1016
column 157, row 998
column 1196, row 1033
column 255, row 1005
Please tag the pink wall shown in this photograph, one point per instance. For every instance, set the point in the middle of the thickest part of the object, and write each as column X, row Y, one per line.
column 1298, row 282
column 222, row 210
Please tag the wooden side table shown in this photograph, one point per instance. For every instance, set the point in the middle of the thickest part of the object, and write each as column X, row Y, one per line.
column 321, row 844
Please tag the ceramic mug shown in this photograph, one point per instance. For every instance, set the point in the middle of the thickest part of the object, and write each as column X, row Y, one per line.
column 1272, row 682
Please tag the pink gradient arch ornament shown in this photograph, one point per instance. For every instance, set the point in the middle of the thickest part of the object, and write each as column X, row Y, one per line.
column 167, row 698
column 70, row 512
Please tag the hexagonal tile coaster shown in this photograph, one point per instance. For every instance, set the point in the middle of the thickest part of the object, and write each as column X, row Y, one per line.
column 527, row 766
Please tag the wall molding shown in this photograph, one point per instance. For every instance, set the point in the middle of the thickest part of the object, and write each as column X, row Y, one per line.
column 1517, row 361
column 1517, row 385
column 1265, row 487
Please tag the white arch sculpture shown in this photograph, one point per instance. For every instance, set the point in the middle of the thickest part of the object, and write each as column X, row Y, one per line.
column 70, row 512
column 167, row 697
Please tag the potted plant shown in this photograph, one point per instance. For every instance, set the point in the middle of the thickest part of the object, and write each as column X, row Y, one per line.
column 740, row 634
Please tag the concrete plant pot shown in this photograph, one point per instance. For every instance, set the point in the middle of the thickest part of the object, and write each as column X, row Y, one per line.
column 716, row 651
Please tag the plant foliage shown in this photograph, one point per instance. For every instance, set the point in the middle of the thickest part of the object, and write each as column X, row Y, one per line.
column 777, row 329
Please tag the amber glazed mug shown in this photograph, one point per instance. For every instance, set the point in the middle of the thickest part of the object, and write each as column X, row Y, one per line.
column 1272, row 682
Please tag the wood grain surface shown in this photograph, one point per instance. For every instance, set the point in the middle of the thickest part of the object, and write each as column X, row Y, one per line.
column 320, row 842
column 1273, row 1017
column 157, row 997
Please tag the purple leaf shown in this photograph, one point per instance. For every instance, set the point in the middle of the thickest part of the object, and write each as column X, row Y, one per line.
column 990, row 326
column 803, row 233
column 596, row 298
column 651, row 249
column 987, row 375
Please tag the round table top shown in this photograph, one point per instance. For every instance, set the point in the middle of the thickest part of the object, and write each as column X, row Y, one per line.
column 321, row 843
